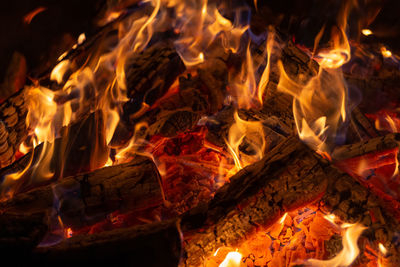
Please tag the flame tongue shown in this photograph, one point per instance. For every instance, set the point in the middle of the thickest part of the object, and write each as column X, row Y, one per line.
column 350, row 249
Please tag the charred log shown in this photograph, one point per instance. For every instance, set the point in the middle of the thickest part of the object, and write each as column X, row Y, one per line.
column 12, row 127
column 149, row 75
column 371, row 145
column 84, row 199
column 290, row 176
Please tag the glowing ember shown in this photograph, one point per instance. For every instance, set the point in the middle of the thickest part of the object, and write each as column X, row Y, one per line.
column 299, row 237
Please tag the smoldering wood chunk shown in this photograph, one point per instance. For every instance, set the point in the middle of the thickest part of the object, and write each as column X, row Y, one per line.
column 156, row 244
column 87, row 198
column 13, row 128
column 171, row 123
column 150, row 74
column 288, row 177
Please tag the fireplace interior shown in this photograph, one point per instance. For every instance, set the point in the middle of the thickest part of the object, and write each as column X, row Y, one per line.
column 226, row 133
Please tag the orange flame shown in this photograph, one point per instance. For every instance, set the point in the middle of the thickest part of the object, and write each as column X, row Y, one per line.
column 350, row 249
column 254, row 134
column 29, row 17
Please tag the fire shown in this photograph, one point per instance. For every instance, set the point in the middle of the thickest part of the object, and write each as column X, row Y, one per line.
column 350, row 248
column 29, row 17
column 299, row 237
column 386, row 53
column 58, row 72
column 382, row 249
column 232, row 260
column 254, row 134
column 366, row 32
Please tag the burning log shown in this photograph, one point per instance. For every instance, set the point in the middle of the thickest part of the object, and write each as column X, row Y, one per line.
column 157, row 244
column 149, row 75
column 86, row 198
column 388, row 141
column 12, row 127
column 290, row 176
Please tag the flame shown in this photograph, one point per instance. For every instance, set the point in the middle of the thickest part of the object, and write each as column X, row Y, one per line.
column 29, row 17
column 254, row 134
column 366, row 32
column 232, row 259
column 386, row 53
column 282, row 220
column 382, row 249
column 350, row 249
column 265, row 76
column 319, row 106
column 57, row 74
column 81, row 38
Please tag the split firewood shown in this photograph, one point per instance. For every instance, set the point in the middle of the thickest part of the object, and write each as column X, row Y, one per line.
column 388, row 141
column 149, row 75
column 154, row 244
column 12, row 126
column 361, row 125
column 289, row 177
column 87, row 198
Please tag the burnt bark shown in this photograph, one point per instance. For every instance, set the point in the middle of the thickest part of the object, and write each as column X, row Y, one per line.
column 87, row 198
column 290, row 176
column 13, row 129
column 371, row 145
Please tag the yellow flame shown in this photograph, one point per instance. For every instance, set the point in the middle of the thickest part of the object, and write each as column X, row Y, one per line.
column 282, row 220
column 319, row 105
column 349, row 252
column 385, row 53
column 366, row 32
column 382, row 249
column 232, row 259
column 58, row 72
column 81, row 38
column 254, row 132
column 265, row 76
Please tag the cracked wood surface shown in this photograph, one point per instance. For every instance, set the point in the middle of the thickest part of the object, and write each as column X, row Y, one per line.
column 288, row 177
column 86, row 197
column 13, row 129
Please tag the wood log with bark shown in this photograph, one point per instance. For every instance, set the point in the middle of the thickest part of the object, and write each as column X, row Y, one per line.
column 289, row 177
column 87, row 198
column 13, row 129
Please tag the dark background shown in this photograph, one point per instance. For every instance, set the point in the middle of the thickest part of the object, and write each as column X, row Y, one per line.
column 56, row 29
